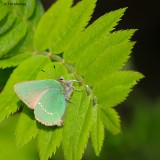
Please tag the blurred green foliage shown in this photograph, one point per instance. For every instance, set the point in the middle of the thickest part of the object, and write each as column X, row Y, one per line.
column 8, row 148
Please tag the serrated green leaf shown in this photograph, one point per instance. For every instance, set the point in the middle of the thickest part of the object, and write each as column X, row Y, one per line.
column 108, row 62
column 14, row 36
column 49, row 140
column 53, row 21
column 99, row 29
column 97, row 130
column 71, row 116
column 8, row 24
column 113, row 89
column 26, row 71
column 77, row 20
column 26, row 128
column 89, row 55
column 77, row 126
column 14, row 60
column 110, row 119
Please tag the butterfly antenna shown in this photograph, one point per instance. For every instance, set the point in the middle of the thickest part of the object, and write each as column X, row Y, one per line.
column 46, row 73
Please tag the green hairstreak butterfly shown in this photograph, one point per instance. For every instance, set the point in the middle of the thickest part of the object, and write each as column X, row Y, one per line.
column 48, row 98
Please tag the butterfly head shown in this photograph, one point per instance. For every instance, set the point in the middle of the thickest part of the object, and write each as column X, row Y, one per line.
column 61, row 79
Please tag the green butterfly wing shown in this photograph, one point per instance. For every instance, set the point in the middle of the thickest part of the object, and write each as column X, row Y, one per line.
column 51, row 107
column 30, row 92
column 46, row 97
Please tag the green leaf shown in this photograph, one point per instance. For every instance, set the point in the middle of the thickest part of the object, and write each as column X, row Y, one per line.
column 24, row 10
column 99, row 29
column 77, row 126
column 108, row 62
column 53, row 71
column 10, row 20
column 25, row 71
column 35, row 18
column 77, row 20
column 26, row 128
column 4, row 12
column 14, row 60
column 97, row 130
column 26, row 45
column 20, row 32
column 113, row 89
column 49, row 140
column 14, row 36
column 90, row 54
column 110, row 119
column 53, row 21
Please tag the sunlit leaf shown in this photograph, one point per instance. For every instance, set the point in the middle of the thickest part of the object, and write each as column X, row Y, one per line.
column 58, row 12
column 110, row 119
column 49, row 140
column 99, row 29
column 113, row 89
column 77, row 126
column 97, row 131
column 26, row 128
column 78, row 18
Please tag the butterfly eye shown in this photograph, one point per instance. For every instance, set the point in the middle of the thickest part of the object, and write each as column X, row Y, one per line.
column 60, row 78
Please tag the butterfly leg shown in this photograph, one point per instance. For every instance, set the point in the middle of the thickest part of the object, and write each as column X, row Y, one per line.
column 75, row 81
column 69, row 101
column 76, row 89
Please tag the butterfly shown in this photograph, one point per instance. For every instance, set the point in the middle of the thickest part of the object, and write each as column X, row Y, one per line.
column 48, row 98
